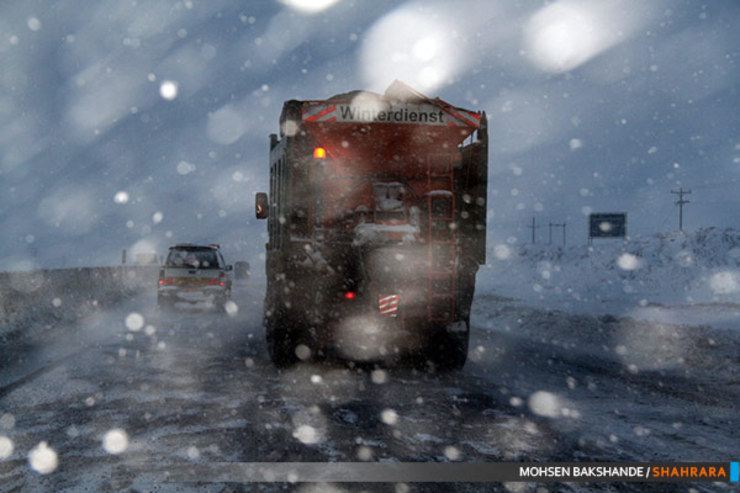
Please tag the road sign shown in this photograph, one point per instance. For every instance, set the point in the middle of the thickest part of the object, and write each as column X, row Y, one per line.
column 607, row 225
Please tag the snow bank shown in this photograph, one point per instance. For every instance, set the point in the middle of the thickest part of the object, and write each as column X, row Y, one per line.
column 64, row 294
column 616, row 276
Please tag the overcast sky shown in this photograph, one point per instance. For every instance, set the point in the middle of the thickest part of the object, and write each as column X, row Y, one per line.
column 133, row 125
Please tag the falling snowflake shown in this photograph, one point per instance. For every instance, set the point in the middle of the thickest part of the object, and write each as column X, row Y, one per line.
column 115, row 441
column 168, row 90
column 43, row 459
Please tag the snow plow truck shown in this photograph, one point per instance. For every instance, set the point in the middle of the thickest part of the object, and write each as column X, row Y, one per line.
column 376, row 218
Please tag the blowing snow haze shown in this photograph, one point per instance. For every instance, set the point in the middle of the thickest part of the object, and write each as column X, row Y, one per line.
column 128, row 125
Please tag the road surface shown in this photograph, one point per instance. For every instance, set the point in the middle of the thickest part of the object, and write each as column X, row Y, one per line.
column 116, row 400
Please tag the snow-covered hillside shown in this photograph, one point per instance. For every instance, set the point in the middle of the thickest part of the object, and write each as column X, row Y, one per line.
column 697, row 270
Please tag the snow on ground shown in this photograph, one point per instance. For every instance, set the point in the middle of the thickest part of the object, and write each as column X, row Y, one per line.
column 690, row 278
column 31, row 302
column 640, row 338
column 560, row 368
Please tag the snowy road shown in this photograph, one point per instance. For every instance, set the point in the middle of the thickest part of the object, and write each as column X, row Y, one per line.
column 123, row 394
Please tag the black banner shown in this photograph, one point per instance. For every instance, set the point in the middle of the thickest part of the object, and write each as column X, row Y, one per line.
column 446, row 472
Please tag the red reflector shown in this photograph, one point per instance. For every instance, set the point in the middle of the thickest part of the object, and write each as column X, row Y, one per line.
column 350, row 295
column 319, row 153
column 388, row 304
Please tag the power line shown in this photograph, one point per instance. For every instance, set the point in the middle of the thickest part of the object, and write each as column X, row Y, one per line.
column 533, row 227
column 733, row 182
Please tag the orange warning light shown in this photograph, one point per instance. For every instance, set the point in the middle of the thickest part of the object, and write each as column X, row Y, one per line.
column 319, row 153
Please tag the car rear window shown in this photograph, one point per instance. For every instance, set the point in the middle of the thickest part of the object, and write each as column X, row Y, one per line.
column 194, row 259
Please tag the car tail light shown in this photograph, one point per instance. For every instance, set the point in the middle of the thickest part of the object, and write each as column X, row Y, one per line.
column 350, row 295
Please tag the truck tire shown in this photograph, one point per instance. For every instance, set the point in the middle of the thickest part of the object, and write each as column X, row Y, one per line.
column 450, row 350
column 280, row 339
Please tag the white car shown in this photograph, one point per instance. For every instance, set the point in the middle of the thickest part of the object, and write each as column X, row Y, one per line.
column 194, row 274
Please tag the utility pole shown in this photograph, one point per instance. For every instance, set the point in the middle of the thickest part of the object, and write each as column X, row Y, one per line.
column 680, row 202
column 557, row 225
column 564, row 233
column 533, row 227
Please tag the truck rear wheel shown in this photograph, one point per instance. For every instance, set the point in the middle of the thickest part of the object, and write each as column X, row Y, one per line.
column 289, row 338
column 281, row 343
column 450, row 350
